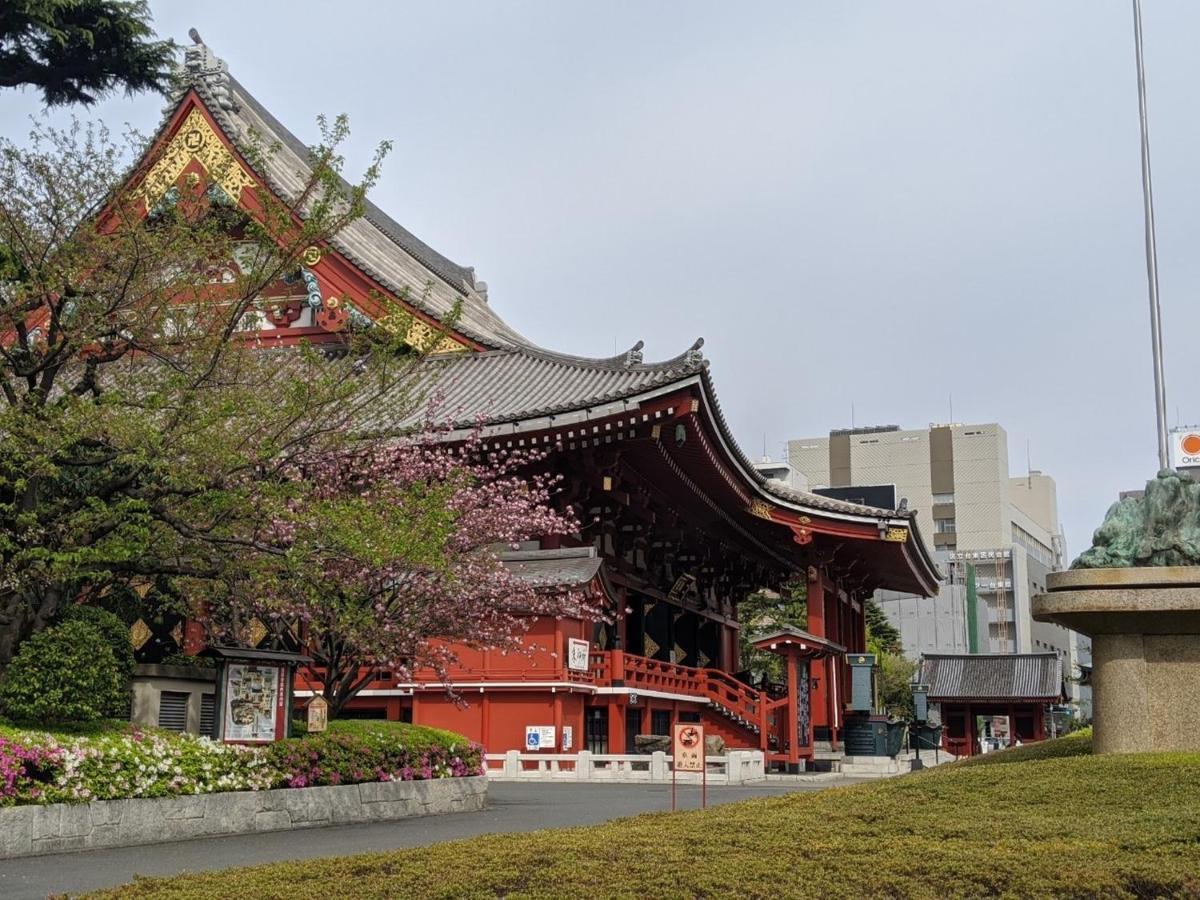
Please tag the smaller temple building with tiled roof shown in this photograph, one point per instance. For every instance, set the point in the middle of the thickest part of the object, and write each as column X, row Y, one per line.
column 968, row 688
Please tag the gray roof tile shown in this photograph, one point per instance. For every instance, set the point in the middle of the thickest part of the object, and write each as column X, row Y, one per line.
column 505, row 386
column 554, row 568
column 376, row 243
column 992, row 676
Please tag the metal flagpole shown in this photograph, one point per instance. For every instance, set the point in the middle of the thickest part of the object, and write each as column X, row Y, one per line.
column 1160, row 395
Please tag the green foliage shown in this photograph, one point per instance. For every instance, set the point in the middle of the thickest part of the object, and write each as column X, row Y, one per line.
column 111, row 763
column 66, row 673
column 115, row 634
column 895, row 684
column 141, row 438
column 376, row 752
column 761, row 612
column 895, row 670
column 1057, row 822
column 188, row 661
column 1078, row 743
column 882, row 635
column 76, row 51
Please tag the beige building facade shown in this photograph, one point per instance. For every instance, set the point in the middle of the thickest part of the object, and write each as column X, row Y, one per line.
column 995, row 536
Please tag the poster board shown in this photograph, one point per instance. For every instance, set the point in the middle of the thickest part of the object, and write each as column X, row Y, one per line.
column 688, row 747
column 578, row 652
column 254, row 701
column 539, row 737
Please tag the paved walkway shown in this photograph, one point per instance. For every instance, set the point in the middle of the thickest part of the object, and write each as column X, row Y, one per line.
column 512, row 807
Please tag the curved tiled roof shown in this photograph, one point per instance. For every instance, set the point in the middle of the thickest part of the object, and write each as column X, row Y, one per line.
column 993, row 676
column 554, row 568
column 508, row 386
column 513, row 380
column 378, row 245
column 831, row 504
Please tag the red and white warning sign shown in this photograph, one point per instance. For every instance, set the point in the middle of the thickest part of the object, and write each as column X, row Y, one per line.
column 689, row 747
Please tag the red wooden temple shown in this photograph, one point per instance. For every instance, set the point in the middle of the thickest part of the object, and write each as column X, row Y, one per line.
column 679, row 525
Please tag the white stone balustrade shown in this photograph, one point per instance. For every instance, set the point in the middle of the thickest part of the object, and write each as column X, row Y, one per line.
column 735, row 767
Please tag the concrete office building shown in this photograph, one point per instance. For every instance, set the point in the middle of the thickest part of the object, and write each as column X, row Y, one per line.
column 994, row 536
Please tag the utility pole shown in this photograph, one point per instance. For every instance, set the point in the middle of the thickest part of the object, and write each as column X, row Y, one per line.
column 1160, row 393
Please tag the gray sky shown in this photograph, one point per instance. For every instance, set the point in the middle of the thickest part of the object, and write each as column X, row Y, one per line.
column 867, row 203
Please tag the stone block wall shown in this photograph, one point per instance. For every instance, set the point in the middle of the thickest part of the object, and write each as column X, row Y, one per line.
column 33, row 830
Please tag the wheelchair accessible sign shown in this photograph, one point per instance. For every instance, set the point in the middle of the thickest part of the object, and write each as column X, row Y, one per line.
column 539, row 737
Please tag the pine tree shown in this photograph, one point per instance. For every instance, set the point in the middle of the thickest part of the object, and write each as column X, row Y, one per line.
column 882, row 634
column 77, row 51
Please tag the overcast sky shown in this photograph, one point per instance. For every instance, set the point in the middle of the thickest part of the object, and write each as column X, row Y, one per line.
column 856, row 204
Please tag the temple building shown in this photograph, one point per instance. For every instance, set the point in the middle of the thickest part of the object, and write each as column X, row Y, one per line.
column 678, row 524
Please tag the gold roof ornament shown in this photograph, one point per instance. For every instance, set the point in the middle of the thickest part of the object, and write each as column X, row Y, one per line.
column 177, row 634
column 418, row 334
column 898, row 535
column 195, row 140
column 649, row 645
column 760, row 508
column 139, row 633
column 256, row 631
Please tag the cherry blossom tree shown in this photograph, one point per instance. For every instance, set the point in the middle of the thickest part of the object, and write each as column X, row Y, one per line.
column 139, row 422
column 392, row 558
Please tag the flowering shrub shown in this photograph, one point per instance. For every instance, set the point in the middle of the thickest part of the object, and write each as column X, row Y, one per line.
column 25, row 771
column 372, row 755
column 131, row 762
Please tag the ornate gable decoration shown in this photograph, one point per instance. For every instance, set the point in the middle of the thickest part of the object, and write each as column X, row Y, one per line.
column 419, row 334
column 195, row 140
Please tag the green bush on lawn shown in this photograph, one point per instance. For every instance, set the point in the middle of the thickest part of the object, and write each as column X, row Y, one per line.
column 67, row 673
column 1045, row 820
column 363, row 750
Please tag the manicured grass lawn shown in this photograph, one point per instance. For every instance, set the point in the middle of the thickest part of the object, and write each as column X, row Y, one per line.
column 1039, row 820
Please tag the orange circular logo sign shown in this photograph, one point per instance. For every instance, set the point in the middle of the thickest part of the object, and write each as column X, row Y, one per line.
column 1191, row 444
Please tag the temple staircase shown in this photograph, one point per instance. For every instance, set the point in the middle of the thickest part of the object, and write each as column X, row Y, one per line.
column 733, row 707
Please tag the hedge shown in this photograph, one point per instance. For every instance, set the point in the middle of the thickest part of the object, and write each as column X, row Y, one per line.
column 67, row 673
column 117, row 760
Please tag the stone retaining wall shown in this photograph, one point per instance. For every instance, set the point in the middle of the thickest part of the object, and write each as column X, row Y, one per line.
column 33, row 830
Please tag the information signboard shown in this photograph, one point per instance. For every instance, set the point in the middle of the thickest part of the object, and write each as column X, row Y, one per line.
column 539, row 737
column 254, row 697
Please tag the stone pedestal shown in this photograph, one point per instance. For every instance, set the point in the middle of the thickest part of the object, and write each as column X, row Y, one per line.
column 1145, row 629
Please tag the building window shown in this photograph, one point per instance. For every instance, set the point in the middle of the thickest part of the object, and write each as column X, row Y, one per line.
column 943, row 526
column 595, row 723
column 943, row 498
column 660, row 721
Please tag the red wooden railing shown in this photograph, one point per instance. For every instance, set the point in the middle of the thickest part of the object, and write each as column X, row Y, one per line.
column 741, row 702
column 606, row 668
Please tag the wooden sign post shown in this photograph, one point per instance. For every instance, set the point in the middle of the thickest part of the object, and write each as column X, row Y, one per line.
column 318, row 714
column 687, row 754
